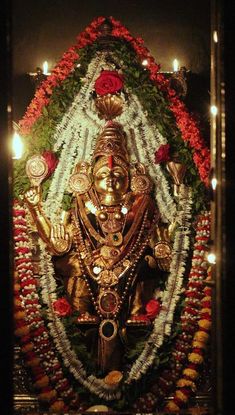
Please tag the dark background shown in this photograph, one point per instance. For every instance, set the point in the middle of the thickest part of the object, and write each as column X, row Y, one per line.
column 45, row 29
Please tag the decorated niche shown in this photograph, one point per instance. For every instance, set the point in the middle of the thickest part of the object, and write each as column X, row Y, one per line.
column 111, row 231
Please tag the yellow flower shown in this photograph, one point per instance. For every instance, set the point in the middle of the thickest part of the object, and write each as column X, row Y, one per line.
column 19, row 315
column 206, row 310
column 47, row 396
column 180, row 395
column 206, row 298
column 17, row 302
column 33, row 362
column 205, row 324
column 42, row 382
column 57, row 406
column 172, row 407
column 191, row 373
column 186, row 383
column 195, row 358
column 201, row 336
column 16, row 287
column 200, row 345
column 22, row 331
column 27, row 347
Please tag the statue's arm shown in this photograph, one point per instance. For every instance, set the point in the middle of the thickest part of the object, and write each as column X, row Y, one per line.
column 57, row 237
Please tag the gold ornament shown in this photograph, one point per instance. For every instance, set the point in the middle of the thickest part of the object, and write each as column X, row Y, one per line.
column 177, row 171
column 162, row 250
column 108, row 330
column 140, row 181
column 108, row 278
column 79, row 183
column 109, row 106
column 141, row 184
column 111, row 141
column 36, row 170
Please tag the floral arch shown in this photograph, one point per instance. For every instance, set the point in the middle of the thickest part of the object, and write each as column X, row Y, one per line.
column 61, row 125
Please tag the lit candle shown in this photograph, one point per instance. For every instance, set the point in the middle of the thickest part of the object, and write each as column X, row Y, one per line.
column 214, row 110
column 45, row 68
column 211, row 258
column 17, row 146
column 214, row 183
column 175, row 65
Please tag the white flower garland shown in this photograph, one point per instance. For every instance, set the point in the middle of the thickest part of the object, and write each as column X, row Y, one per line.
column 170, row 297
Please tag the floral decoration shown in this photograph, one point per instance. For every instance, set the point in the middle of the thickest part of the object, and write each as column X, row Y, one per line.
column 46, row 343
column 109, row 82
column 62, row 307
column 162, row 154
column 152, row 308
column 51, row 160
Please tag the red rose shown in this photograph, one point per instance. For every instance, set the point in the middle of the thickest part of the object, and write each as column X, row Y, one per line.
column 162, row 154
column 109, row 82
column 51, row 161
column 152, row 309
column 62, row 308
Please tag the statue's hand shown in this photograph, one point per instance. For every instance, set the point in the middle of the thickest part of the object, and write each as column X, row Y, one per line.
column 33, row 196
column 60, row 239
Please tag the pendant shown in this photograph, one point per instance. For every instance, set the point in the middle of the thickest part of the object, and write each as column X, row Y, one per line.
column 108, row 330
column 108, row 302
column 109, row 252
column 114, row 239
column 108, row 278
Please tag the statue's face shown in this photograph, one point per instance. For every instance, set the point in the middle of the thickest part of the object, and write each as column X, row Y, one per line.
column 111, row 183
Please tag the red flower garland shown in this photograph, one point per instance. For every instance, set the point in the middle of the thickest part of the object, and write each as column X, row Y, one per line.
column 29, row 323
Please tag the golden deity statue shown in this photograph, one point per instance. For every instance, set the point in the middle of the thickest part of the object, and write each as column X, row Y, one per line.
column 113, row 244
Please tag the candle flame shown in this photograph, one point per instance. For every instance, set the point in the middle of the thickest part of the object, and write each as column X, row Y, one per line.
column 17, row 146
column 211, row 258
column 175, row 65
column 214, row 183
column 45, row 68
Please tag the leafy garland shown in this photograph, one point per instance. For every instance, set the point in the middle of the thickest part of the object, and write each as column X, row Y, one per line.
column 52, row 99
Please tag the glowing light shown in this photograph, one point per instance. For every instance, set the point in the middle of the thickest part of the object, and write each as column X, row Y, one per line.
column 214, row 183
column 175, row 65
column 97, row 270
column 145, row 62
column 78, row 65
column 45, row 68
column 17, row 146
column 214, row 110
column 124, row 210
column 215, row 36
column 211, row 258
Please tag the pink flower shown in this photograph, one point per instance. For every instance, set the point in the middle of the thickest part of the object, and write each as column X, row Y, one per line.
column 51, row 161
column 109, row 82
column 152, row 308
column 162, row 154
column 62, row 308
